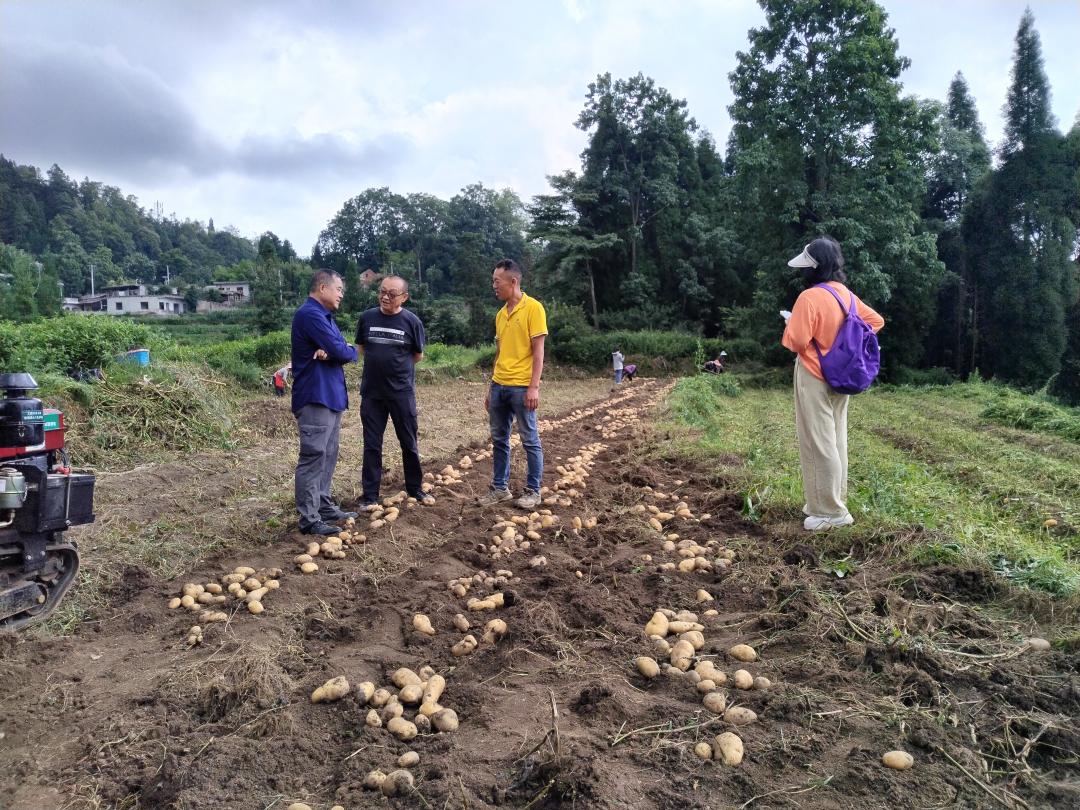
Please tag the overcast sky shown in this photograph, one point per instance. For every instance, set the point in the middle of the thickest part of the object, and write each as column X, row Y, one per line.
column 269, row 115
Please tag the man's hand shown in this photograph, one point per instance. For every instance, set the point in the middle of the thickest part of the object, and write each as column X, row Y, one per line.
column 532, row 397
column 319, row 355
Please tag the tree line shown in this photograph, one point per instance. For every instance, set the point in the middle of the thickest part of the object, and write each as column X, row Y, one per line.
column 969, row 252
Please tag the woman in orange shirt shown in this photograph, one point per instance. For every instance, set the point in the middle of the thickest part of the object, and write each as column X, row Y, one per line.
column 820, row 412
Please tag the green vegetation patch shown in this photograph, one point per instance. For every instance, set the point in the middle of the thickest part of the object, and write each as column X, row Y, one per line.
column 925, row 475
column 1034, row 413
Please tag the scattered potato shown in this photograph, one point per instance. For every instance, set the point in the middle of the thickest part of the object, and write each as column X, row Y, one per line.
column 715, row 702
column 174, row 603
column 333, row 689
column 762, row 684
column 703, row 750
column 696, row 639
column 647, row 666
column 187, row 600
column 743, row 679
column 898, row 760
column 412, row 694
column 298, row 806
column 705, row 686
column 309, row 568
column 460, row 622
column 374, row 779
column 397, row 783
column 246, row 570
column 682, row 653
column 445, row 720
column 422, row 624
column 403, row 676
column 373, row 720
column 657, row 625
column 401, row 728
column 704, row 596
column 744, row 653
column 464, row 647
column 379, row 698
column 1038, row 644
column 408, row 759
column 255, row 607
column 740, row 716
column 433, row 689
column 392, row 709
column 728, row 748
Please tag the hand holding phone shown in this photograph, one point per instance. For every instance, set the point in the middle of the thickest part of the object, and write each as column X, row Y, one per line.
column 785, row 314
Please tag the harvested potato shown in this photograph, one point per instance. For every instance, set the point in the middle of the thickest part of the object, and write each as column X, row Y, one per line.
column 647, row 666
column 298, row 806
column 174, row 603
column 715, row 702
column 392, row 709
column 494, row 630
column 404, row 676
column 744, row 653
column 397, row 783
column 187, row 600
column 251, row 583
column 704, row 596
column 374, row 779
column 309, row 568
column 408, row 759
column 761, row 683
column 661, row 646
column 422, row 723
column 898, row 760
column 246, row 570
column 705, row 686
column 445, row 720
column 300, row 559
column 422, row 624
column 379, row 698
column 412, row 694
column 213, row 587
column 682, row 653
column 1038, row 644
column 703, row 750
column 433, row 689
column 401, row 728
column 373, row 720
column 740, row 716
column 255, row 607
column 333, row 689
column 679, row 627
column 695, row 638
column 257, row 594
column 657, row 625
column 728, row 748
column 743, row 679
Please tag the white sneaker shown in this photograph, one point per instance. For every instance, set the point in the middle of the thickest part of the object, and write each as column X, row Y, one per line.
column 816, row 523
column 530, row 500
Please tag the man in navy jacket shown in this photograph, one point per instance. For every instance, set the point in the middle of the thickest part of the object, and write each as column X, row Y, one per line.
column 319, row 397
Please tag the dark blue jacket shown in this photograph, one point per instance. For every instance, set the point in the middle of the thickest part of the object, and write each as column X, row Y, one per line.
column 320, row 382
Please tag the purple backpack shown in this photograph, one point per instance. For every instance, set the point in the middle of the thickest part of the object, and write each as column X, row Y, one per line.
column 854, row 359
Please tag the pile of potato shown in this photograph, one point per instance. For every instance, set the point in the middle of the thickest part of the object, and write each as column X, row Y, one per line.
column 244, row 585
column 448, row 476
column 573, row 474
column 701, row 673
column 331, row 548
column 517, row 533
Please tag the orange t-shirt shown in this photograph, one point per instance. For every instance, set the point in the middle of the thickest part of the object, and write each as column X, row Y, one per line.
column 817, row 315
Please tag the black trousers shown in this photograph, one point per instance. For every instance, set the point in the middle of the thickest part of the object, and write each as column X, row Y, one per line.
column 373, row 414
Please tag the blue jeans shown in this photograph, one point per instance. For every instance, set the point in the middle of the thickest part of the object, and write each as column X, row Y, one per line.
column 618, row 376
column 507, row 402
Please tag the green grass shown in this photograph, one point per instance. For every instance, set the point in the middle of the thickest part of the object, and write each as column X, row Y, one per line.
column 928, row 471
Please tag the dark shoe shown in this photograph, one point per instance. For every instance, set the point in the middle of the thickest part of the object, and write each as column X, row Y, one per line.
column 337, row 514
column 495, row 496
column 320, row 528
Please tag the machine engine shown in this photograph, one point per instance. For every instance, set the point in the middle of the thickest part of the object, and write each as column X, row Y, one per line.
column 40, row 497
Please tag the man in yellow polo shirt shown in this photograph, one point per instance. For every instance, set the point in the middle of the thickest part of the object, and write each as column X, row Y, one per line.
column 520, row 329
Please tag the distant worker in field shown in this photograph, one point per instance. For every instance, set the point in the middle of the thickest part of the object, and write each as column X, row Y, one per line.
column 281, row 379
column 617, row 361
column 716, row 365
column 629, row 370
column 391, row 339
column 520, row 329
column 817, row 324
column 319, row 397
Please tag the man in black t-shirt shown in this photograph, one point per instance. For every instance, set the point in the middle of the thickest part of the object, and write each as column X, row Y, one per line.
column 392, row 341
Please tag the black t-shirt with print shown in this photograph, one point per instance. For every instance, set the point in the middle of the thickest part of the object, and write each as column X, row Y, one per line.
column 389, row 342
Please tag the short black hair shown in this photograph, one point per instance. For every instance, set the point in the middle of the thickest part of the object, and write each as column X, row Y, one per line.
column 509, row 266
column 404, row 283
column 322, row 277
column 830, row 261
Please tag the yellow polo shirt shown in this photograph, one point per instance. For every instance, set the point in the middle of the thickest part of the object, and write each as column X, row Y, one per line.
column 514, row 332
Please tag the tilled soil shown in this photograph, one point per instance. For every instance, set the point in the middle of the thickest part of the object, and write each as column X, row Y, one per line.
column 554, row 714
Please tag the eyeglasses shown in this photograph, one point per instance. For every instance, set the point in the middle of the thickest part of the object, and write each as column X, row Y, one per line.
column 390, row 295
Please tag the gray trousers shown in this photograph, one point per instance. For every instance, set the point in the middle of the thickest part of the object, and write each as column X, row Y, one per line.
column 319, row 428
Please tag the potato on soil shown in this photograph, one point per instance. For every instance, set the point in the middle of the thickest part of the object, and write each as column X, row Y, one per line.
column 494, row 630
column 333, row 689
column 464, row 647
column 744, row 653
column 403, row 676
column 762, row 684
column 401, row 728
column 695, row 638
column 373, row 720
column 422, row 624
column 898, row 760
column 740, row 716
column 743, row 679
column 445, row 720
column 1038, row 644
column 392, row 709
column 412, row 694
column 174, row 603
column 682, row 653
column 715, row 702
column 298, row 806
column 374, row 779
column 433, row 689
column 647, row 666
column 380, row 698
column 397, row 783
column 703, row 750
column 728, row 748
column 408, row 759
column 309, row 568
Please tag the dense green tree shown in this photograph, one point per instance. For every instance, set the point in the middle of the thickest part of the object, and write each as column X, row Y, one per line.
column 1022, row 232
column 823, row 143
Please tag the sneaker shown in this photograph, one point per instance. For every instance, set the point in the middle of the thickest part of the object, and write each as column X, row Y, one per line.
column 815, row 523
column 424, row 499
column 530, row 500
column 336, row 513
column 320, row 527
column 495, row 496
column 368, row 506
